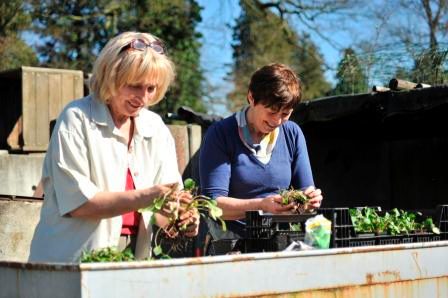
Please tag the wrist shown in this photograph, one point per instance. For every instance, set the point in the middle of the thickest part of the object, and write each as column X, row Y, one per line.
column 145, row 197
column 259, row 204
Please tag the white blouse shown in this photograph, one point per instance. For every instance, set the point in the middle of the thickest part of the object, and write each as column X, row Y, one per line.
column 87, row 154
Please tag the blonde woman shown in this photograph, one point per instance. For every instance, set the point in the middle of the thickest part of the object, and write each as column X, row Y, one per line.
column 109, row 156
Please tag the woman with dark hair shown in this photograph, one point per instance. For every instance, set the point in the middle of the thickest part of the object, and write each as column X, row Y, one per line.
column 247, row 158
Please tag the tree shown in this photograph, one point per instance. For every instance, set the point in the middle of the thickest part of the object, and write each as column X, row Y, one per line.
column 428, row 64
column 13, row 51
column 419, row 26
column 12, row 17
column 309, row 64
column 72, row 32
column 262, row 37
column 429, row 67
column 350, row 76
column 75, row 30
column 175, row 22
column 309, row 13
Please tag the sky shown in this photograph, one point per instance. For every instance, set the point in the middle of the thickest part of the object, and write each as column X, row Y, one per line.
column 216, row 55
column 370, row 27
column 218, row 17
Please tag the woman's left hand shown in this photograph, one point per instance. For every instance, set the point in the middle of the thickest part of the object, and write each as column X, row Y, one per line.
column 315, row 195
column 189, row 221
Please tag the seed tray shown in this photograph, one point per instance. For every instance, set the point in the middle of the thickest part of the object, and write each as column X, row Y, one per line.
column 268, row 232
column 278, row 242
column 344, row 235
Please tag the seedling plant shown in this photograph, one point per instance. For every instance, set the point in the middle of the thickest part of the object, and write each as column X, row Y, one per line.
column 397, row 222
column 107, row 254
column 298, row 197
column 199, row 204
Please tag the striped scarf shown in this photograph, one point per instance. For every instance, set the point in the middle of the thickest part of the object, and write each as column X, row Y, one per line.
column 262, row 151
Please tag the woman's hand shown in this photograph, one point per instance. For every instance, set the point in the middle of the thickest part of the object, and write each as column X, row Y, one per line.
column 315, row 195
column 273, row 204
column 175, row 208
column 176, row 199
column 189, row 222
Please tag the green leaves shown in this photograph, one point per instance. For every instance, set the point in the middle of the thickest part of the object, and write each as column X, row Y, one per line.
column 395, row 222
column 430, row 226
column 210, row 207
column 202, row 204
column 157, row 250
column 294, row 196
column 297, row 197
column 189, row 184
column 107, row 254
column 295, row 227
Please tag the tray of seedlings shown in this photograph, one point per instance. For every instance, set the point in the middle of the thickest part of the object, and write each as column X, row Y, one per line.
column 351, row 227
column 363, row 226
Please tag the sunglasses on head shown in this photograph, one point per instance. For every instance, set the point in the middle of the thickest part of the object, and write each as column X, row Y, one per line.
column 141, row 45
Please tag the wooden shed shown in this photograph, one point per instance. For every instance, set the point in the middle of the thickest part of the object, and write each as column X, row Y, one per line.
column 30, row 98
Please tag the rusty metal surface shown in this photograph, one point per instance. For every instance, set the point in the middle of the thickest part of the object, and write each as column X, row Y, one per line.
column 408, row 270
column 332, row 271
column 435, row 287
column 262, row 256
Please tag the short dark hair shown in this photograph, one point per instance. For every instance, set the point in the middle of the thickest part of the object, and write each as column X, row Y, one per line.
column 276, row 86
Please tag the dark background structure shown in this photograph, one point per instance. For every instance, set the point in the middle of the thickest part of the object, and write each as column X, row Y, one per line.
column 380, row 149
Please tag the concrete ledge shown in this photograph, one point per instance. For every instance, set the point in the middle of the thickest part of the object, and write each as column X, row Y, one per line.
column 20, row 173
column 18, row 219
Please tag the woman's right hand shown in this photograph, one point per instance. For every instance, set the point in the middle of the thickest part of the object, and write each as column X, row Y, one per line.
column 175, row 199
column 273, row 204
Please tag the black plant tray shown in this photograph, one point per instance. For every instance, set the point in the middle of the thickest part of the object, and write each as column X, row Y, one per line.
column 344, row 235
column 268, row 232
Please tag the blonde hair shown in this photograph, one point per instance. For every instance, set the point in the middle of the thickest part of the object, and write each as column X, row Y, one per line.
column 115, row 68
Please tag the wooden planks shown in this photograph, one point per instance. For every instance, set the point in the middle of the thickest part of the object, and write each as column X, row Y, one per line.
column 44, row 93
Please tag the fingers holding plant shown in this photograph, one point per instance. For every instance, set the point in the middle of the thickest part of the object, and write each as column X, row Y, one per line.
column 182, row 208
column 160, row 201
column 315, row 197
column 174, row 201
column 303, row 200
column 274, row 204
column 189, row 222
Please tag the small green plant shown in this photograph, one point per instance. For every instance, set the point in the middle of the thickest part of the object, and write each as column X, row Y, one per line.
column 107, row 254
column 199, row 203
column 295, row 196
column 367, row 220
column 202, row 204
column 295, row 227
column 397, row 222
column 429, row 225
